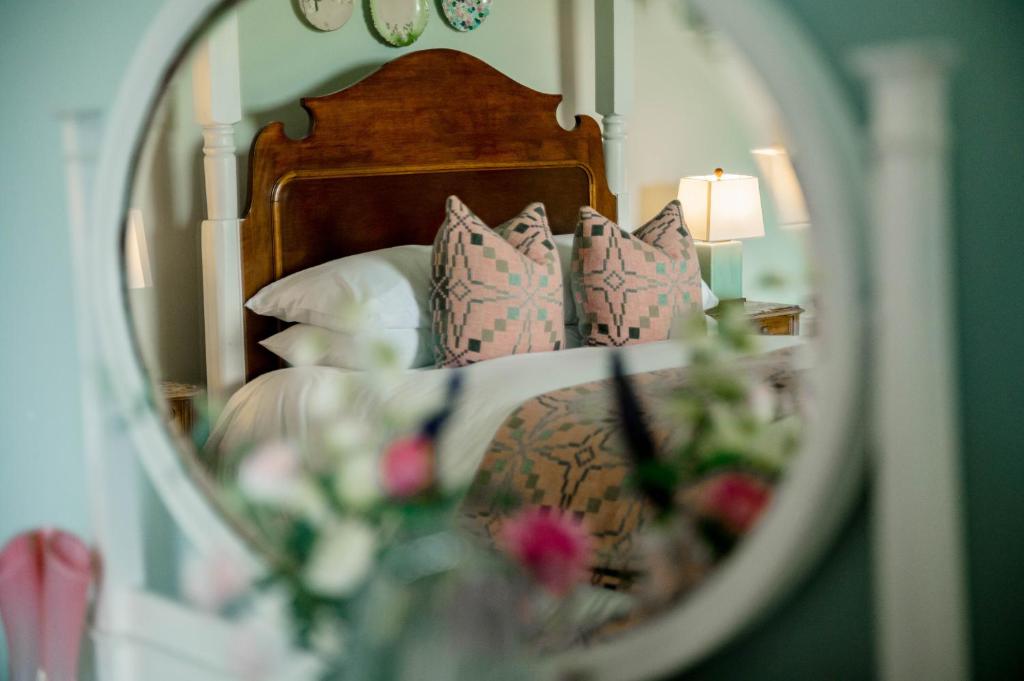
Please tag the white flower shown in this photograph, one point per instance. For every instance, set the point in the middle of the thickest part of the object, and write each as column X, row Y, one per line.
column 357, row 482
column 341, row 558
column 354, row 316
column 382, row 366
column 312, row 348
column 348, row 435
column 762, row 402
column 273, row 475
column 410, row 408
column 211, row 581
column 270, row 473
column 329, row 637
column 326, row 398
column 307, row 500
column 273, row 605
column 730, row 431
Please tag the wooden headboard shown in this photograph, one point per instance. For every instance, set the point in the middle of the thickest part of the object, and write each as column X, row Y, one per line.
column 382, row 156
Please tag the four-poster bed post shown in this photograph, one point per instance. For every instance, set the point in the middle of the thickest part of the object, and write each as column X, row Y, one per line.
column 217, row 96
column 613, row 27
column 218, row 107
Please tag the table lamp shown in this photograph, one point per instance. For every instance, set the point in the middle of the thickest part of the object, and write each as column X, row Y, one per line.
column 136, row 253
column 720, row 209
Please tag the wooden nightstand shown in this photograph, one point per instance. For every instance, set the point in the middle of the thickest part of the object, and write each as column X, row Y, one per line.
column 770, row 319
column 181, row 403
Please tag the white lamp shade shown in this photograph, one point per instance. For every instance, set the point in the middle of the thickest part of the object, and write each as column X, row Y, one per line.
column 721, row 208
column 136, row 252
column 777, row 170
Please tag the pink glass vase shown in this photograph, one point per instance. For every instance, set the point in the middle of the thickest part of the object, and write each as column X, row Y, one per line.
column 44, row 589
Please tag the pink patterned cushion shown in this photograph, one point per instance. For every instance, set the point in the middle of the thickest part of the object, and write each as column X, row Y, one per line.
column 629, row 288
column 495, row 292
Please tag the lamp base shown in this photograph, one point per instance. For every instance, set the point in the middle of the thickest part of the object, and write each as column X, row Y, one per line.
column 721, row 267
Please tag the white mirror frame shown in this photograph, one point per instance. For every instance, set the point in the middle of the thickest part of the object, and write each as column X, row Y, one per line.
column 819, row 487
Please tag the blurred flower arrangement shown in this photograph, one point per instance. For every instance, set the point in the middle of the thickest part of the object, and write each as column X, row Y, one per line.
column 710, row 491
column 369, row 570
column 371, row 573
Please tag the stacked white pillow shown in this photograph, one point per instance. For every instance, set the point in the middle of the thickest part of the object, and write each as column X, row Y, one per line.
column 347, row 310
column 385, row 289
column 304, row 345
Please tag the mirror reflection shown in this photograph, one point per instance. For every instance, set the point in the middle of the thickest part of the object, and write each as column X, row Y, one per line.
column 459, row 332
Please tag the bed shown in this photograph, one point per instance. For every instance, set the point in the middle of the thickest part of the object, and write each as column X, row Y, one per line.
column 373, row 173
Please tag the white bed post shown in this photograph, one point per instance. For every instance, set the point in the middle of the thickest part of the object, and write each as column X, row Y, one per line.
column 920, row 587
column 218, row 107
column 613, row 30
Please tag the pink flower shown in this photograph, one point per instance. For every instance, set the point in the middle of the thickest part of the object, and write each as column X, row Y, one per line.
column 269, row 473
column 736, row 500
column 407, row 468
column 552, row 546
column 211, row 581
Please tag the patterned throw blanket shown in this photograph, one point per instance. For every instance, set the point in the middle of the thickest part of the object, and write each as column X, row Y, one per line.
column 566, row 450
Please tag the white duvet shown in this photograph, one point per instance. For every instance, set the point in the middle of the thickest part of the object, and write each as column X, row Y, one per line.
column 285, row 404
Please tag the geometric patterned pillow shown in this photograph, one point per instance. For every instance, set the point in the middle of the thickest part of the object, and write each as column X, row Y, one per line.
column 629, row 288
column 495, row 292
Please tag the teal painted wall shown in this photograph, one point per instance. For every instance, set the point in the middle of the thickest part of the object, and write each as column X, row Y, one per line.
column 824, row 632
column 50, row 61
column 72, row 57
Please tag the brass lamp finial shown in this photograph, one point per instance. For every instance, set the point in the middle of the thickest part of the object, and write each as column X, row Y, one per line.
column 718, row 173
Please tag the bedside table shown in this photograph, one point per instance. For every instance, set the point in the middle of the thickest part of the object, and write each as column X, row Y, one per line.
column 770, row 319
column 181, row 403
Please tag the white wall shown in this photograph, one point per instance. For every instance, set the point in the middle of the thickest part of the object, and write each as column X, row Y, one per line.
column 52, row 59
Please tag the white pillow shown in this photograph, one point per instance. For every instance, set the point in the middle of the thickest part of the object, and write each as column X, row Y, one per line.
column 708, row 298
column 304, row 345
column 385, row 289
column 564, row 244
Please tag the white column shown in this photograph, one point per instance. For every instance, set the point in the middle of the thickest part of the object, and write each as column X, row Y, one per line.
column 112, row 468
column 922, row 622
column 613, row 26
column 218, row 107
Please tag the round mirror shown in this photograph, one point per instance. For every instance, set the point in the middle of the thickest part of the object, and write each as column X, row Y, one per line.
column 546, row 358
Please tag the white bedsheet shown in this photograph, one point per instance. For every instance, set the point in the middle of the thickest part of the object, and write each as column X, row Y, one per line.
column 287, row 402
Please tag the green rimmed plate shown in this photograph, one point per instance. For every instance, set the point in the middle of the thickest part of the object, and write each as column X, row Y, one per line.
column 400, row 22
column 327, row 15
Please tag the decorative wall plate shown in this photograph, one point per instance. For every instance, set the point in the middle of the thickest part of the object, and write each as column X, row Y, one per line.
column 465, row 15
column 400, row 22
column 327, row 15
